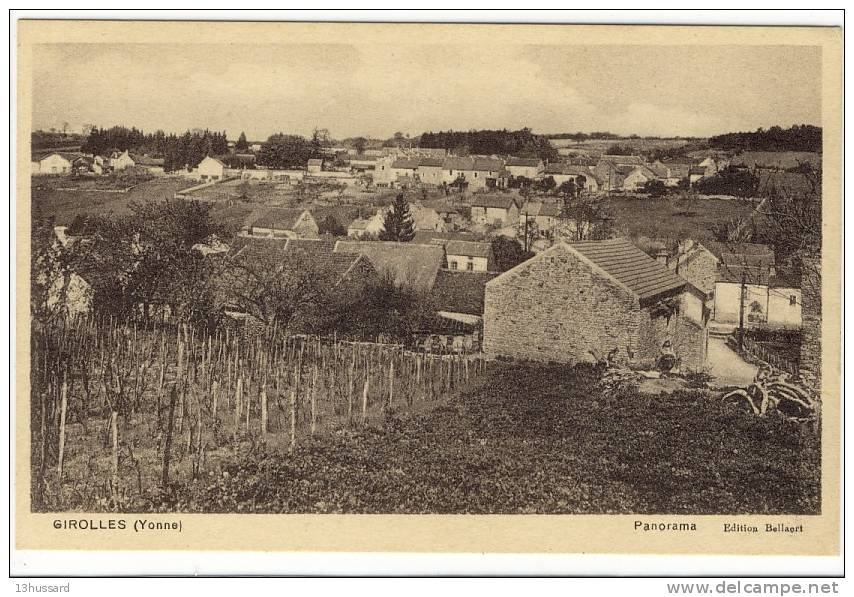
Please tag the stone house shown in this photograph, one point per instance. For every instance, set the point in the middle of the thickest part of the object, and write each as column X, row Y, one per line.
column 53, row 163
column 495, row 208
column 468, row 256
column 120, row 161
column 209, row 169
column 478, row 173
column 571, row 302
column 429, row 170
column 545, row 215
column 530, row 168
column 404, row 170
column 636, row 177
column 284, row 223
column 582, row 175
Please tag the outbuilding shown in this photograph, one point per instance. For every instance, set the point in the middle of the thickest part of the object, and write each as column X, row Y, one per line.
column 578, row 302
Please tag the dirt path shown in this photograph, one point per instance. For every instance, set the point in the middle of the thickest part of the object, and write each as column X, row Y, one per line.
column 727, row 367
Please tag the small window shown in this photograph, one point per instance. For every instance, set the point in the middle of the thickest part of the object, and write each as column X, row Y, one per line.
column 453, row 265
column 470, row 266
column 793, row 300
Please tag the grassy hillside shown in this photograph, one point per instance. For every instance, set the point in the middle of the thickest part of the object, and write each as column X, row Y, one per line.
column 537, row 439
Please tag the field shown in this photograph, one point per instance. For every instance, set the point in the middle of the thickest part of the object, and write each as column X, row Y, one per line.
column 693, row 218
column 50, row 199
column 596, row 147
column 449, row 436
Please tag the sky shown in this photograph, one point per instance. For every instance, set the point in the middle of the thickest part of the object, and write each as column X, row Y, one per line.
column 376, row 90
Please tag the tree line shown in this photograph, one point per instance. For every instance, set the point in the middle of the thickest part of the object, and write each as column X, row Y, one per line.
column 521, row 143
column 178, row 151
column 803, row 137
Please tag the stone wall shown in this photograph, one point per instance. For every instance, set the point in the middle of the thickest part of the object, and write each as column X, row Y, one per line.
column 701, row 270
column 556, row 307
column 687, row 338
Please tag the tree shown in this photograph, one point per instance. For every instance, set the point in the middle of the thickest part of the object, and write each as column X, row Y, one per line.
column 147, row 258
column 398, row 224
column 730, row 181
column 655, row 188
column 545, row 185
column 359, row 144
column 287, row 151
column 583, row 219
column 291, row 294
column 242, row 144
column 329, row 225
column 508, row 253
column 567, row 188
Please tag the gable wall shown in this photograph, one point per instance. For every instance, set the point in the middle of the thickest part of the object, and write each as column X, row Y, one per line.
column 558, row 308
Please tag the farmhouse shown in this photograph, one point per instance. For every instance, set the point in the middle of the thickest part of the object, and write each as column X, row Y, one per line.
column 635, row 177
column 491, row 208
column 284, row 223
column 53, row 163
column 544, row 215
column 409, row 264
column 477, row 173
column 429, row 170
column 120, row 161
column 468, row 256
column 314, row 165
column 583, row 177
column 209, row 169
column 531, row 168
column 571, row 302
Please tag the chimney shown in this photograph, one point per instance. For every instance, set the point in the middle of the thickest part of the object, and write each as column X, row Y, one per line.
column 662, row 257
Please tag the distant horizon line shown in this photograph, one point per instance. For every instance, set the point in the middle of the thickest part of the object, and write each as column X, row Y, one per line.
column 617, row 136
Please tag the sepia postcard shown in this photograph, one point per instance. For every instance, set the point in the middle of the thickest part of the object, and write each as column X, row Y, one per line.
column 350, row 287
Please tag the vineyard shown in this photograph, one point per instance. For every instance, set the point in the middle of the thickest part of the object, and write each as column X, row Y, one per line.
column 121, row 415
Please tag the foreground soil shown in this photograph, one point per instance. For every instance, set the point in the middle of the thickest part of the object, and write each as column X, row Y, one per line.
column 533, row 439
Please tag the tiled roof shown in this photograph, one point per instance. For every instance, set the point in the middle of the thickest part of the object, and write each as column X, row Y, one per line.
column 634, row 160
column 460, row 292
column 473, row 163
column 315, row 162
column 539, row 208
column 751, row 275
column 502, row 201
column 431, row 162
column 741, row 253
column 409, row 263
column 279, row 218
column 405, row 163
column 631, row 267
column 528, row 162
column 567, row 169
column 467, row 248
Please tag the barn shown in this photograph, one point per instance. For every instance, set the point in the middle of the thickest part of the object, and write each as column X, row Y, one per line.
column 573, row 301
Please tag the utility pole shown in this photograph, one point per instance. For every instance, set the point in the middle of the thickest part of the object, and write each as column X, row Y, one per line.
column 742, row 296
column 526, row 231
